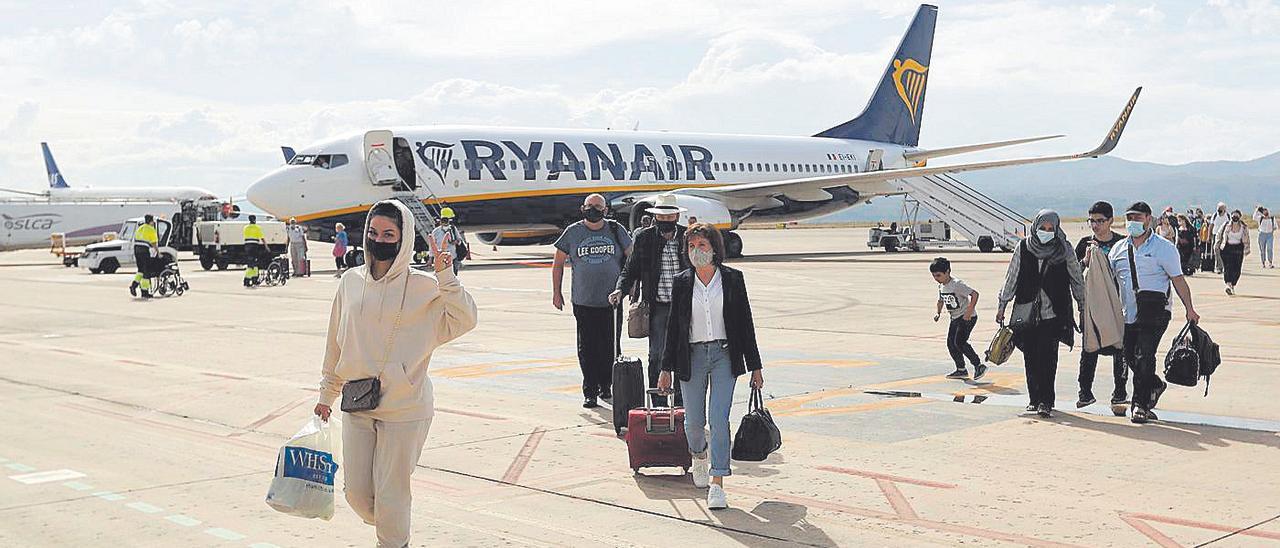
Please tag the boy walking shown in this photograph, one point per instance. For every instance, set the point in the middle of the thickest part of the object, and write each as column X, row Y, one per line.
column 960, row 301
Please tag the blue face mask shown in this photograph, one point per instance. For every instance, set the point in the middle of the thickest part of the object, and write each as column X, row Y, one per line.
column 1045, row 236
column 1135, row 228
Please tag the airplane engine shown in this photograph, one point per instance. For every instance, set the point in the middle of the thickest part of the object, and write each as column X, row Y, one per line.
column 706, row 210
column 518, row 237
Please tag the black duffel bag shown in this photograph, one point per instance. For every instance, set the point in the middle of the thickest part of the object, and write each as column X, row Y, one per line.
column 757, row 435
column 1182, row 363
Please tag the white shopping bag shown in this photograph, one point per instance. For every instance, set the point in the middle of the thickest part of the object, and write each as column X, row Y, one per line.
column 305, row 470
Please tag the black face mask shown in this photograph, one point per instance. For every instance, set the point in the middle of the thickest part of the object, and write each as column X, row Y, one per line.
column 666, row 226
column 384, row 251
column 592, row 214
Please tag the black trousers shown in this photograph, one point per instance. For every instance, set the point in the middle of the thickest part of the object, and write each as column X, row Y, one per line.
column 958, row 341
column 595, row 347
column 1141, row 342
column 1039, row 346
column 1232, row 262
column 1089, row 366
column 659, row 313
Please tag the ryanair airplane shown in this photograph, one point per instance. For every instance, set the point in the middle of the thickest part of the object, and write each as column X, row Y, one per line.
column 515, row 186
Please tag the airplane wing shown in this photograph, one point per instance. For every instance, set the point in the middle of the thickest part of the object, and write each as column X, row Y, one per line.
column 813, row 188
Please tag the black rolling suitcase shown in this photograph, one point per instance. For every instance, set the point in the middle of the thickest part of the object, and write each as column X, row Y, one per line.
column 628, row 379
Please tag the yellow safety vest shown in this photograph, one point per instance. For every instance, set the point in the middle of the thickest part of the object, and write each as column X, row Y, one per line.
column 146, row 235
column 253, row 234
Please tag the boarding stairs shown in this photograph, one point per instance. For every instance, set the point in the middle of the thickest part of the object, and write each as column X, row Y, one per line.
column 982, row 220
column 415, row 199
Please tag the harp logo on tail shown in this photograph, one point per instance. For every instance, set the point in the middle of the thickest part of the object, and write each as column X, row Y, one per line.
column 437, row 156
column 909, row 77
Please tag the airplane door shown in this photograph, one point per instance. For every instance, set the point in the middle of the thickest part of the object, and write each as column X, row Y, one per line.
column 378, row 161
column 874, row 159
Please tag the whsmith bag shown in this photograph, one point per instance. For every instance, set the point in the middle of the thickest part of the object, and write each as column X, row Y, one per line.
column 757, row 434
column 1182, row 363
column 1001, row 346
column 305, row 468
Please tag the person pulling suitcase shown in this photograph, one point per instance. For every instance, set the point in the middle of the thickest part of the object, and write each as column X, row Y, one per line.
column 628, row 378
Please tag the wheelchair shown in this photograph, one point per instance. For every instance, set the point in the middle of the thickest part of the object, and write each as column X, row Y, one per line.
column 276, row 272
column 170, row 281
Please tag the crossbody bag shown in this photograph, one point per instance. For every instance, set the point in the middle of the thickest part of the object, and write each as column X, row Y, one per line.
column 1152, row 306
column 365, row 394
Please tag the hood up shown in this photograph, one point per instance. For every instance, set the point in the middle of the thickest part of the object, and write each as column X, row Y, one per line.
column 404, row 256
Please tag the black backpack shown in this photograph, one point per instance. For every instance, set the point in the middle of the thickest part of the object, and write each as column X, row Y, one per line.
column 757, row 434
column 1182, row 363
column 1210, row 354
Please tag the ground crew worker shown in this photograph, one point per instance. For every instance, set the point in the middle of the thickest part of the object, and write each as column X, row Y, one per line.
column 254, row 249
column 146, row 244
column 447, row 237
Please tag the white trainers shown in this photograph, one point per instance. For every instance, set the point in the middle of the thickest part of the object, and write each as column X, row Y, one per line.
column 715, row 498
column 701, row 470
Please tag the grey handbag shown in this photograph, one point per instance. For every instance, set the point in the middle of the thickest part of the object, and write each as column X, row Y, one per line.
column 365, row 394
column 638, row 320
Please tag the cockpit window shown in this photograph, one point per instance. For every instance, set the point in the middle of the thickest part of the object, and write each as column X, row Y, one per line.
column 323, row 161
column 302, row 160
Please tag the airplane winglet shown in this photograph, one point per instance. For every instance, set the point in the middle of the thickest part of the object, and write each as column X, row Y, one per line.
column 1113, row 136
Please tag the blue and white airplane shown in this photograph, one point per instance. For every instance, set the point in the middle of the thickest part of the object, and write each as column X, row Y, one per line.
column 523, row 185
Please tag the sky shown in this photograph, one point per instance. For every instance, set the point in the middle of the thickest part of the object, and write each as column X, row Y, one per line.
column 156, row 92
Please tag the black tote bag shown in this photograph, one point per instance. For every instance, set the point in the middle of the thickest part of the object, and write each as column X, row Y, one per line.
column 757, row 435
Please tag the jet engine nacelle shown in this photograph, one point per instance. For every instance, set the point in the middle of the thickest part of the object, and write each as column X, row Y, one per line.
column 706, row 210
column 518, row 237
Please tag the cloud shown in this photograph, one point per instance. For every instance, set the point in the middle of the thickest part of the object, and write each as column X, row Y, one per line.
column 24, row 118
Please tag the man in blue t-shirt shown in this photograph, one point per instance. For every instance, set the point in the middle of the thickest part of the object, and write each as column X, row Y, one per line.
column 596, row 248
column 1155, row 267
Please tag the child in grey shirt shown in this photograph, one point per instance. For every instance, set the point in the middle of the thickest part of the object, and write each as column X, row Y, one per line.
column 960, row 301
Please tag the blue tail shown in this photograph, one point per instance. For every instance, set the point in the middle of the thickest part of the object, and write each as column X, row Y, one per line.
column 895, row 110
column 288, row 153
column 51, row 167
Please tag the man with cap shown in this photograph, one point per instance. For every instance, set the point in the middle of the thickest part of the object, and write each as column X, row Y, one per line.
column 659, row 255
column 297, row 247
column 1150, row 266
column 447, row 236
column 1220, row 219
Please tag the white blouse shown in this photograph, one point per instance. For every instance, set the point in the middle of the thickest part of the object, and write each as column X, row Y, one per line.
column 707, row 322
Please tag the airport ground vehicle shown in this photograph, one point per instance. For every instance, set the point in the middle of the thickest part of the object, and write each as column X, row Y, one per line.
column 911, row 233
column 221, row 243
column 107, row 257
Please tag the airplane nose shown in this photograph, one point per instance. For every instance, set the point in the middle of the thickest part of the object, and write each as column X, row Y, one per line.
column 266, row 193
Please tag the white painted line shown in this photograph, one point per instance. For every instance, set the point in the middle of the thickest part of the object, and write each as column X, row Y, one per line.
column 145, row 508
column 18, row 467
column 108, row 495
column 46, row 477
column 183, row 520
column 78, row 486
column 224, row 534
column 263, row 545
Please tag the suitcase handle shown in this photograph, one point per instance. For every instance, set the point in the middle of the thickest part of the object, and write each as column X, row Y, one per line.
column 667, row 412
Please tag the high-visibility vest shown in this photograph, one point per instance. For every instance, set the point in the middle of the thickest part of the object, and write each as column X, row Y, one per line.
column 253, row 234
column 145, row 235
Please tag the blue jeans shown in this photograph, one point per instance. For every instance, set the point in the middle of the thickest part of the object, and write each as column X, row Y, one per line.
column 709, row 365
column 1265, row 250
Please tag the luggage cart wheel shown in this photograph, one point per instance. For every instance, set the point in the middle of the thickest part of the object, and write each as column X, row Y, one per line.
column 686, row 470
column 635, row 470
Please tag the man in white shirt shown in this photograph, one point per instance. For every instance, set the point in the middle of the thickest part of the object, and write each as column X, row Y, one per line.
column 1154, row 264
column 1220, row 219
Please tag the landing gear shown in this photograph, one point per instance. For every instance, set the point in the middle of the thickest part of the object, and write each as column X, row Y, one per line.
column 733, row 245
column 986, row 244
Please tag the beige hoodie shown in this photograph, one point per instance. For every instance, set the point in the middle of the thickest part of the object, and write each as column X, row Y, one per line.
column 436, row 310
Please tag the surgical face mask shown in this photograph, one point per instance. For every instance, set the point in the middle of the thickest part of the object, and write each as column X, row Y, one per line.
column 592, row 214
column 665, row 226
column 1045, row 236
column 699, row 257
column 1235, row 218
column 384, row 251
column 1135, row 228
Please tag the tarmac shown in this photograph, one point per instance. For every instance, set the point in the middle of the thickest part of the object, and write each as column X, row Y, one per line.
column 157, row 423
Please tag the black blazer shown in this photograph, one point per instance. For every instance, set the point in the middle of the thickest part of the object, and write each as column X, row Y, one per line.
column 645, row 263
column 744, row 355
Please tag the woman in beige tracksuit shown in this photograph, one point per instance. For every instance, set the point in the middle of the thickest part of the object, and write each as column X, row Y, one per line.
column 386, row 321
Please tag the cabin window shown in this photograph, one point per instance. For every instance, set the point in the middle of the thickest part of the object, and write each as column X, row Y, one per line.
column 455, row 164
column 338, row 160
column 749, row 167
column 766, row 168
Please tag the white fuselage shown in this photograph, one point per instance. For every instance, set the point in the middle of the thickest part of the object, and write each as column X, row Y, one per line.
column 514, row 178
column 84, row 214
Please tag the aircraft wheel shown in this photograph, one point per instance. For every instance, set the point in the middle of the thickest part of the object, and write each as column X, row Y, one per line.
column 986, row 244
column 733, row 245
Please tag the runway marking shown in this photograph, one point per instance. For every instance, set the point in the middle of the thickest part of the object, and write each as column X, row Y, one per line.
column 183, row 520
column 224, row 534
column 850, row 409
column 838, row 364
column 280, row 411
column 524, row 456
column 885, row 477
column 471, row 414
column 499, row 369
column 19, row 467
column 263, row 545
column 224, row 376
column 897, row 500
column 78, row 486
column 136, row 362
column 1150, row 532
column 47, row 476
column 65, row 351
column 145, row 508
column 108, row 495
column 1138, row 521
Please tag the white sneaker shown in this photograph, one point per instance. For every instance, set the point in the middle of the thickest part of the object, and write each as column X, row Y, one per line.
column 715, row 498
column 701, row 470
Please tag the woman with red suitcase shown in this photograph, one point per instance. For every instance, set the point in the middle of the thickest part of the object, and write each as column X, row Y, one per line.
column 711, row 341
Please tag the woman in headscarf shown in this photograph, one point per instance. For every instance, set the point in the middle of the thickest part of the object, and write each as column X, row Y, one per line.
column 1044, row 278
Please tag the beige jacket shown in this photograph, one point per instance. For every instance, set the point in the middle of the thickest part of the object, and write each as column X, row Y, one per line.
column 1103, row 319
column 436, row 309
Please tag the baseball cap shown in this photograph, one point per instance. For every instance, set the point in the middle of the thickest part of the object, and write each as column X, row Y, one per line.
column 1139, row 207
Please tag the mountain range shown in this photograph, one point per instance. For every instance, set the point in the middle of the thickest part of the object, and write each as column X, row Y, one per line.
column 1071, row 187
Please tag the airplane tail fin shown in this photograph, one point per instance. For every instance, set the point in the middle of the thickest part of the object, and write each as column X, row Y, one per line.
column 51, row 168
column 893, row 115
column 288, row 153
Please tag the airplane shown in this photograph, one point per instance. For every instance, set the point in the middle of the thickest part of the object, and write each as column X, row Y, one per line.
column 516, row 186
column 83, row 215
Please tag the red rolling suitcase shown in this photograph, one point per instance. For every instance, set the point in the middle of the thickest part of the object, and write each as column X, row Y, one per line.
column 655, row 437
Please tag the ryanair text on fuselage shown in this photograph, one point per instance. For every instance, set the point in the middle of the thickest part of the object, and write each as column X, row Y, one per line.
column 589, row 162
